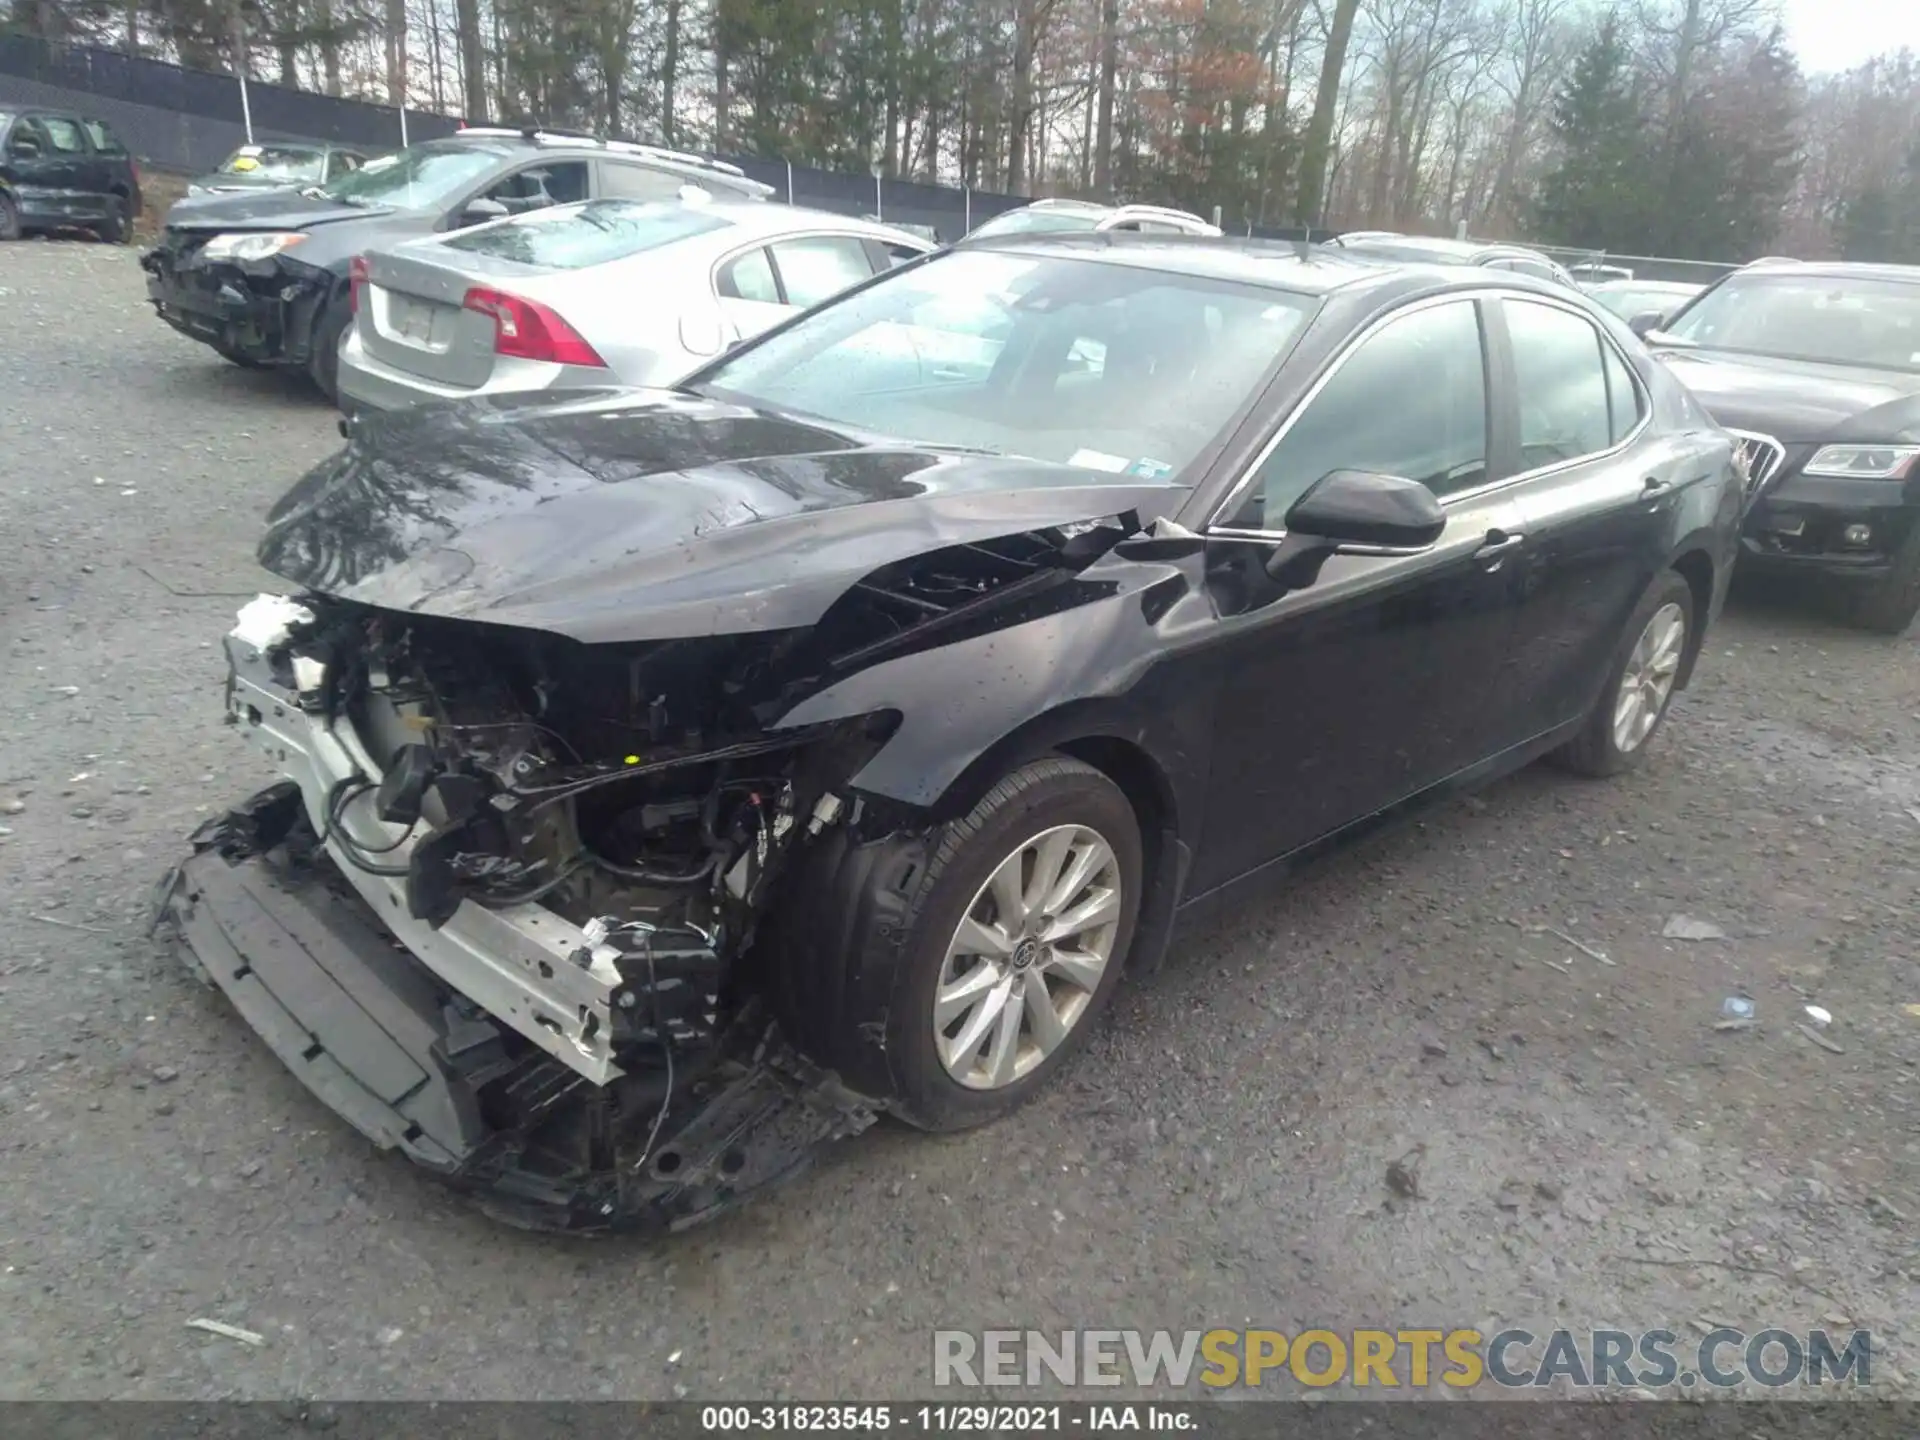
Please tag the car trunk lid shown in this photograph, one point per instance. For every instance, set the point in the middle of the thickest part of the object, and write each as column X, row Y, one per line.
column 413, row 316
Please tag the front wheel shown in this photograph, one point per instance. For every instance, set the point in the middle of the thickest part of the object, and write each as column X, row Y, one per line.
column 1641, row 684
column 1889, row 607
column 323, row 359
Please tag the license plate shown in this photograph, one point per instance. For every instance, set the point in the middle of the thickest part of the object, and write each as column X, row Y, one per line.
column 413, row 320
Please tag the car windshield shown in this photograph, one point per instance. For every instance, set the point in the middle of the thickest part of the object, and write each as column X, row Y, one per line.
column 573, row 237
column 416, row 178
column 1031, row 221
column 1835, row 319
column 1107, row 366
column 287, row 164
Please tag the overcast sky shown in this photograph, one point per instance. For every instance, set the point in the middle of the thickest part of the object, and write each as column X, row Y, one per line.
column 1839, row 34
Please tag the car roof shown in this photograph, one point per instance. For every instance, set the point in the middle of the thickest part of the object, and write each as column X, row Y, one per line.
column 528, row 138
column 1273, row 264
column 752, row 218
column 1440, row 247
column 1836, row 270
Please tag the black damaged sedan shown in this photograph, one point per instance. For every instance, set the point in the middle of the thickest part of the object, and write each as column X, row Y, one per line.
column 679, row 780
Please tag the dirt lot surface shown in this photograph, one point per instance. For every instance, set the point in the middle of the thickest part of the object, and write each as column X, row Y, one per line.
column 1597, row 1153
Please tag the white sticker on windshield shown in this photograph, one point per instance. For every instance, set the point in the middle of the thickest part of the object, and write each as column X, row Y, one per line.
column 1098, row 460
column 383, row 162
column 248, row 150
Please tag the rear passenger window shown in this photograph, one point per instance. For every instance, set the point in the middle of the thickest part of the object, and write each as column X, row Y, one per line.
column 1623, row 396
column 820, row 266
column 65, row 134
column 1562, row 383
column 749, row 277
column 641, row 182
column 104, row 140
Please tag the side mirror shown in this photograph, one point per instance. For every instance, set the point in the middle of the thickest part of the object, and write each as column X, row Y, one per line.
column 1354, row 508
column 1645, row 323
column 481, row 209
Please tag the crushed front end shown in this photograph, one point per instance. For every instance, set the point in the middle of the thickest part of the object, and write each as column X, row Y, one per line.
column 501, row 914
column 260, row 309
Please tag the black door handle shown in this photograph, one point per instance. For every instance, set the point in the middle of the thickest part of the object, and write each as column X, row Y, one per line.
column 1654, row 488
column 1499, row 544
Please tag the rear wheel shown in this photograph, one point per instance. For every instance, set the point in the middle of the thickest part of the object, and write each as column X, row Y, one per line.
column 9, row 218
column 117, row 227
column 1889, row 606
column 1641, row 684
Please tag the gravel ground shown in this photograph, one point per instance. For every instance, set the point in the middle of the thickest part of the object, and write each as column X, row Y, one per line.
column 1597, row 1153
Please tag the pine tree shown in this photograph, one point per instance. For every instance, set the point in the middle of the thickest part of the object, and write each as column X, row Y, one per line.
column 1598, row 193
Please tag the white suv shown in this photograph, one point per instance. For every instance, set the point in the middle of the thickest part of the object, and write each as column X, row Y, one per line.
column 1044, row 216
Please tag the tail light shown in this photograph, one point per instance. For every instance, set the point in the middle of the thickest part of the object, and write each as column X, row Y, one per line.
column 356, row 282
column 528, row 330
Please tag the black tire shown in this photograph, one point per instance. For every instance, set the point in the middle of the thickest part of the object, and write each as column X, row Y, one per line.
column 117, row 228
column 1594, row 751
column 323, row 356
column 1888, row 607
column 861, row 958
column 9, row 218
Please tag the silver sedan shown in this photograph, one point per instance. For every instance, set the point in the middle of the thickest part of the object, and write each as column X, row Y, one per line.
column 606, row 292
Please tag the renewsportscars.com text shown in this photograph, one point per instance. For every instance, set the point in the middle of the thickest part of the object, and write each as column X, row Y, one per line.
column 1403, row 1358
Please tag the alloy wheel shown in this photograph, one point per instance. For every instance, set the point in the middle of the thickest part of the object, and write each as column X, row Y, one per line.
column 1027, row 957
column 1646, row 684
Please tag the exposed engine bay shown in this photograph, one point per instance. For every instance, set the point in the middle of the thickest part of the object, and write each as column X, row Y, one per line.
column 551, row 862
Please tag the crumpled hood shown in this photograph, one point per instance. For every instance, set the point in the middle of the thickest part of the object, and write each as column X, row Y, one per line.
column 1797, row 402
column 643, row 515
column 281, row 208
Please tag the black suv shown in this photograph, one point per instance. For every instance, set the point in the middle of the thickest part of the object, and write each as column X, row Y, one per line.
column 1817, row 367
column 59, row 170
column 266, row 278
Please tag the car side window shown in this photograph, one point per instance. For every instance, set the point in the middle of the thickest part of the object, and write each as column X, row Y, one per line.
column 749, row 277
column 816, row 267
column 620, row 181
column 554, row 182
column 1562, row 384
column 1410, row 400
column 29, row 137
column 104, row 140
column 65, row 135
column 1623, row 396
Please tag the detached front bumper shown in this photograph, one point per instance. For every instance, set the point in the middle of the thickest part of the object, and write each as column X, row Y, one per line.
column 1830, row 526
column 481, row 1050
column 261, row 311
column 418, row 1068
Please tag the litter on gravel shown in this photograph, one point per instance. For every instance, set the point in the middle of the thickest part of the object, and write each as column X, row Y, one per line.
column 1685, row 927
column 1817, row 1038
column 231, row 1332
column 1737, row 1007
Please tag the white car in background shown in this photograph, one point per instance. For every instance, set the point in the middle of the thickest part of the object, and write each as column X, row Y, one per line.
column 605, row 292
column 1046, row 217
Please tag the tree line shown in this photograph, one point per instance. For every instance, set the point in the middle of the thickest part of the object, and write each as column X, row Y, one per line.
column 1672, row 127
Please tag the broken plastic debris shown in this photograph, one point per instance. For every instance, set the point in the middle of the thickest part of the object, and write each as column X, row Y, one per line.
column 232, row 1332
column 1737, row 1007
column 264, row 620
column 1685, row 927
column 1913, row 1010
column 1812, row 1032
column 1819, row 1015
